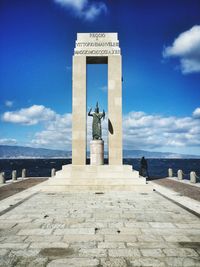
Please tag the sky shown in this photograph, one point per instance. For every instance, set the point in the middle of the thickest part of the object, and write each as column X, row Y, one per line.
column 160, row 47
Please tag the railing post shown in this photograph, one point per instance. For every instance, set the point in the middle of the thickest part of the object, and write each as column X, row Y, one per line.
column 193, row 179
column 53, row 172
column 23, row 173
column 2, row 178
column 14, row 175
column 170, row 172
column 180, row 175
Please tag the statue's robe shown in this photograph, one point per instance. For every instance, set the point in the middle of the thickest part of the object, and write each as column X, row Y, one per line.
column 96, row 126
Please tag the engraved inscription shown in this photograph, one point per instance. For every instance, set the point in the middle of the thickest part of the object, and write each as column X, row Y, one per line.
column 97, row 44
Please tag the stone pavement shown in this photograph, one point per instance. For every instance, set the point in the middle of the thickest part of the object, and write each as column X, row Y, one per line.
column 14, row 187
column 103, row 230
column 184, row 187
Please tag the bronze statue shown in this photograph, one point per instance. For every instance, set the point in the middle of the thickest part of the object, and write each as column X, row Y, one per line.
column 96, row 124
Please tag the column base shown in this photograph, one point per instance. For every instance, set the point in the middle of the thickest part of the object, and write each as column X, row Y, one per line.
column 96, row 152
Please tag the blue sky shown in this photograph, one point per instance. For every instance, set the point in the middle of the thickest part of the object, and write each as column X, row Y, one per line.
column 160, row 45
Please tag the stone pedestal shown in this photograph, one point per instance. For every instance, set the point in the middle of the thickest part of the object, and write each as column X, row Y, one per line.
column 97, row 152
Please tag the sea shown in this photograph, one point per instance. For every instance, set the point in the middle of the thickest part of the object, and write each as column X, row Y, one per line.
column 158, row 168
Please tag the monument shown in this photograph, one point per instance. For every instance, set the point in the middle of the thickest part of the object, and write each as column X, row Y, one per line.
column 96, row 48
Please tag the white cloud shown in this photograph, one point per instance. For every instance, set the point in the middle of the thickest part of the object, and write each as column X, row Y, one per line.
column 187, row 47
column 144, row 131
column 29, row 116
column 94, row 11
column 140, row 130
column 196, row 113
column 8, row 141
column 84, row 8
column 8, row 103
column 57, row 133
column 76, row 4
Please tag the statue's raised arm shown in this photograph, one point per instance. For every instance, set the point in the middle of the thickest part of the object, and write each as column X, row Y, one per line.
column 89, row 113
column 96, row 124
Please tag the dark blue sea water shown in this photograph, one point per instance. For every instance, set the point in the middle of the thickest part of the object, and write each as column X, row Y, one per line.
column 42, row 167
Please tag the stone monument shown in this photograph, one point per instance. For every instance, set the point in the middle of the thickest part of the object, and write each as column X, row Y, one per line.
column 96, row 48
column 97, row 144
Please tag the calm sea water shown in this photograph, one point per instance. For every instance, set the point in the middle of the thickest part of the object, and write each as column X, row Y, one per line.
column 42, row 167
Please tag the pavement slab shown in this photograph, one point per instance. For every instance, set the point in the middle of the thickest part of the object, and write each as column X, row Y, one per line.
column 114, row 229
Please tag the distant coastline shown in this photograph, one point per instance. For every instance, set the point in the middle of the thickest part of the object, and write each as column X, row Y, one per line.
column 21, row 152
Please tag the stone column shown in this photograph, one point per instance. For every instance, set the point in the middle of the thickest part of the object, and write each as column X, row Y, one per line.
column 115, row 110
column 2, row 178
column 193, row 179
column 170, row 172
column 53, row 172
column 14, row 175
column 79, row 111
column 180, row 175
column 97, row 152
column 23, row 173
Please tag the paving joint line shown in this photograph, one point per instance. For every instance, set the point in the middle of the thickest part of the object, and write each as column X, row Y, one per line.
column 178, row 204
column 17, row 204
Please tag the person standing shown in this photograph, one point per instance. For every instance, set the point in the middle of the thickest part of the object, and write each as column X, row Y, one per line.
column 144, row 168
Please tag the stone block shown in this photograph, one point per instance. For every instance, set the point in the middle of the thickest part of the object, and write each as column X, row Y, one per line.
column 74, row 262
column 152, row 252
column 127, row 252
column 97, row 152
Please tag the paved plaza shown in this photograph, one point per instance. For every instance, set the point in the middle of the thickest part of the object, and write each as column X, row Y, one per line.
column 98, row 229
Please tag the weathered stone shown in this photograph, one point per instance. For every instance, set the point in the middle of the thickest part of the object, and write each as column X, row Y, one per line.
column 160, row 243
column 74, row 262
column 49, row 245
column 95, row 252
column 180, row 252
column 3, row 252
column 182, row 262
column 82, row 238
column 14, row 245
column 113, row 262
column 111, row 245
column 147, row 262
column 127, row 252
column 35, row 232
column 120, row 238
column 155, row 253
column 39, row 262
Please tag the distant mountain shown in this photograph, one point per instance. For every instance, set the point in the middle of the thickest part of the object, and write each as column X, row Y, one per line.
column 149, row 154
column 30, row 152
column 7, row 152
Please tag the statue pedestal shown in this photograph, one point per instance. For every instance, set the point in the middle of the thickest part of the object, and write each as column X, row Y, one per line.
column 96, row 152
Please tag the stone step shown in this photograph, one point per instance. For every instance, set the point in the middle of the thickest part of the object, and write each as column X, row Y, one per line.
column 97, row 188
column 99, row 174
column 101, row 168
column 99, row 181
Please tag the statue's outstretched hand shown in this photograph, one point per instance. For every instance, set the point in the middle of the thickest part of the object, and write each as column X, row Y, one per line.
column 103, row 114
column 89, row 113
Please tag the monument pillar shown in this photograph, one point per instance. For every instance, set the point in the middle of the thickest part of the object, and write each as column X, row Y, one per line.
column 115, row 110
column 97, row 48
column 79, row 122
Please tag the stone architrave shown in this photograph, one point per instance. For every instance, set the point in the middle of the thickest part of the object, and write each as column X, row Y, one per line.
column 95, row 48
